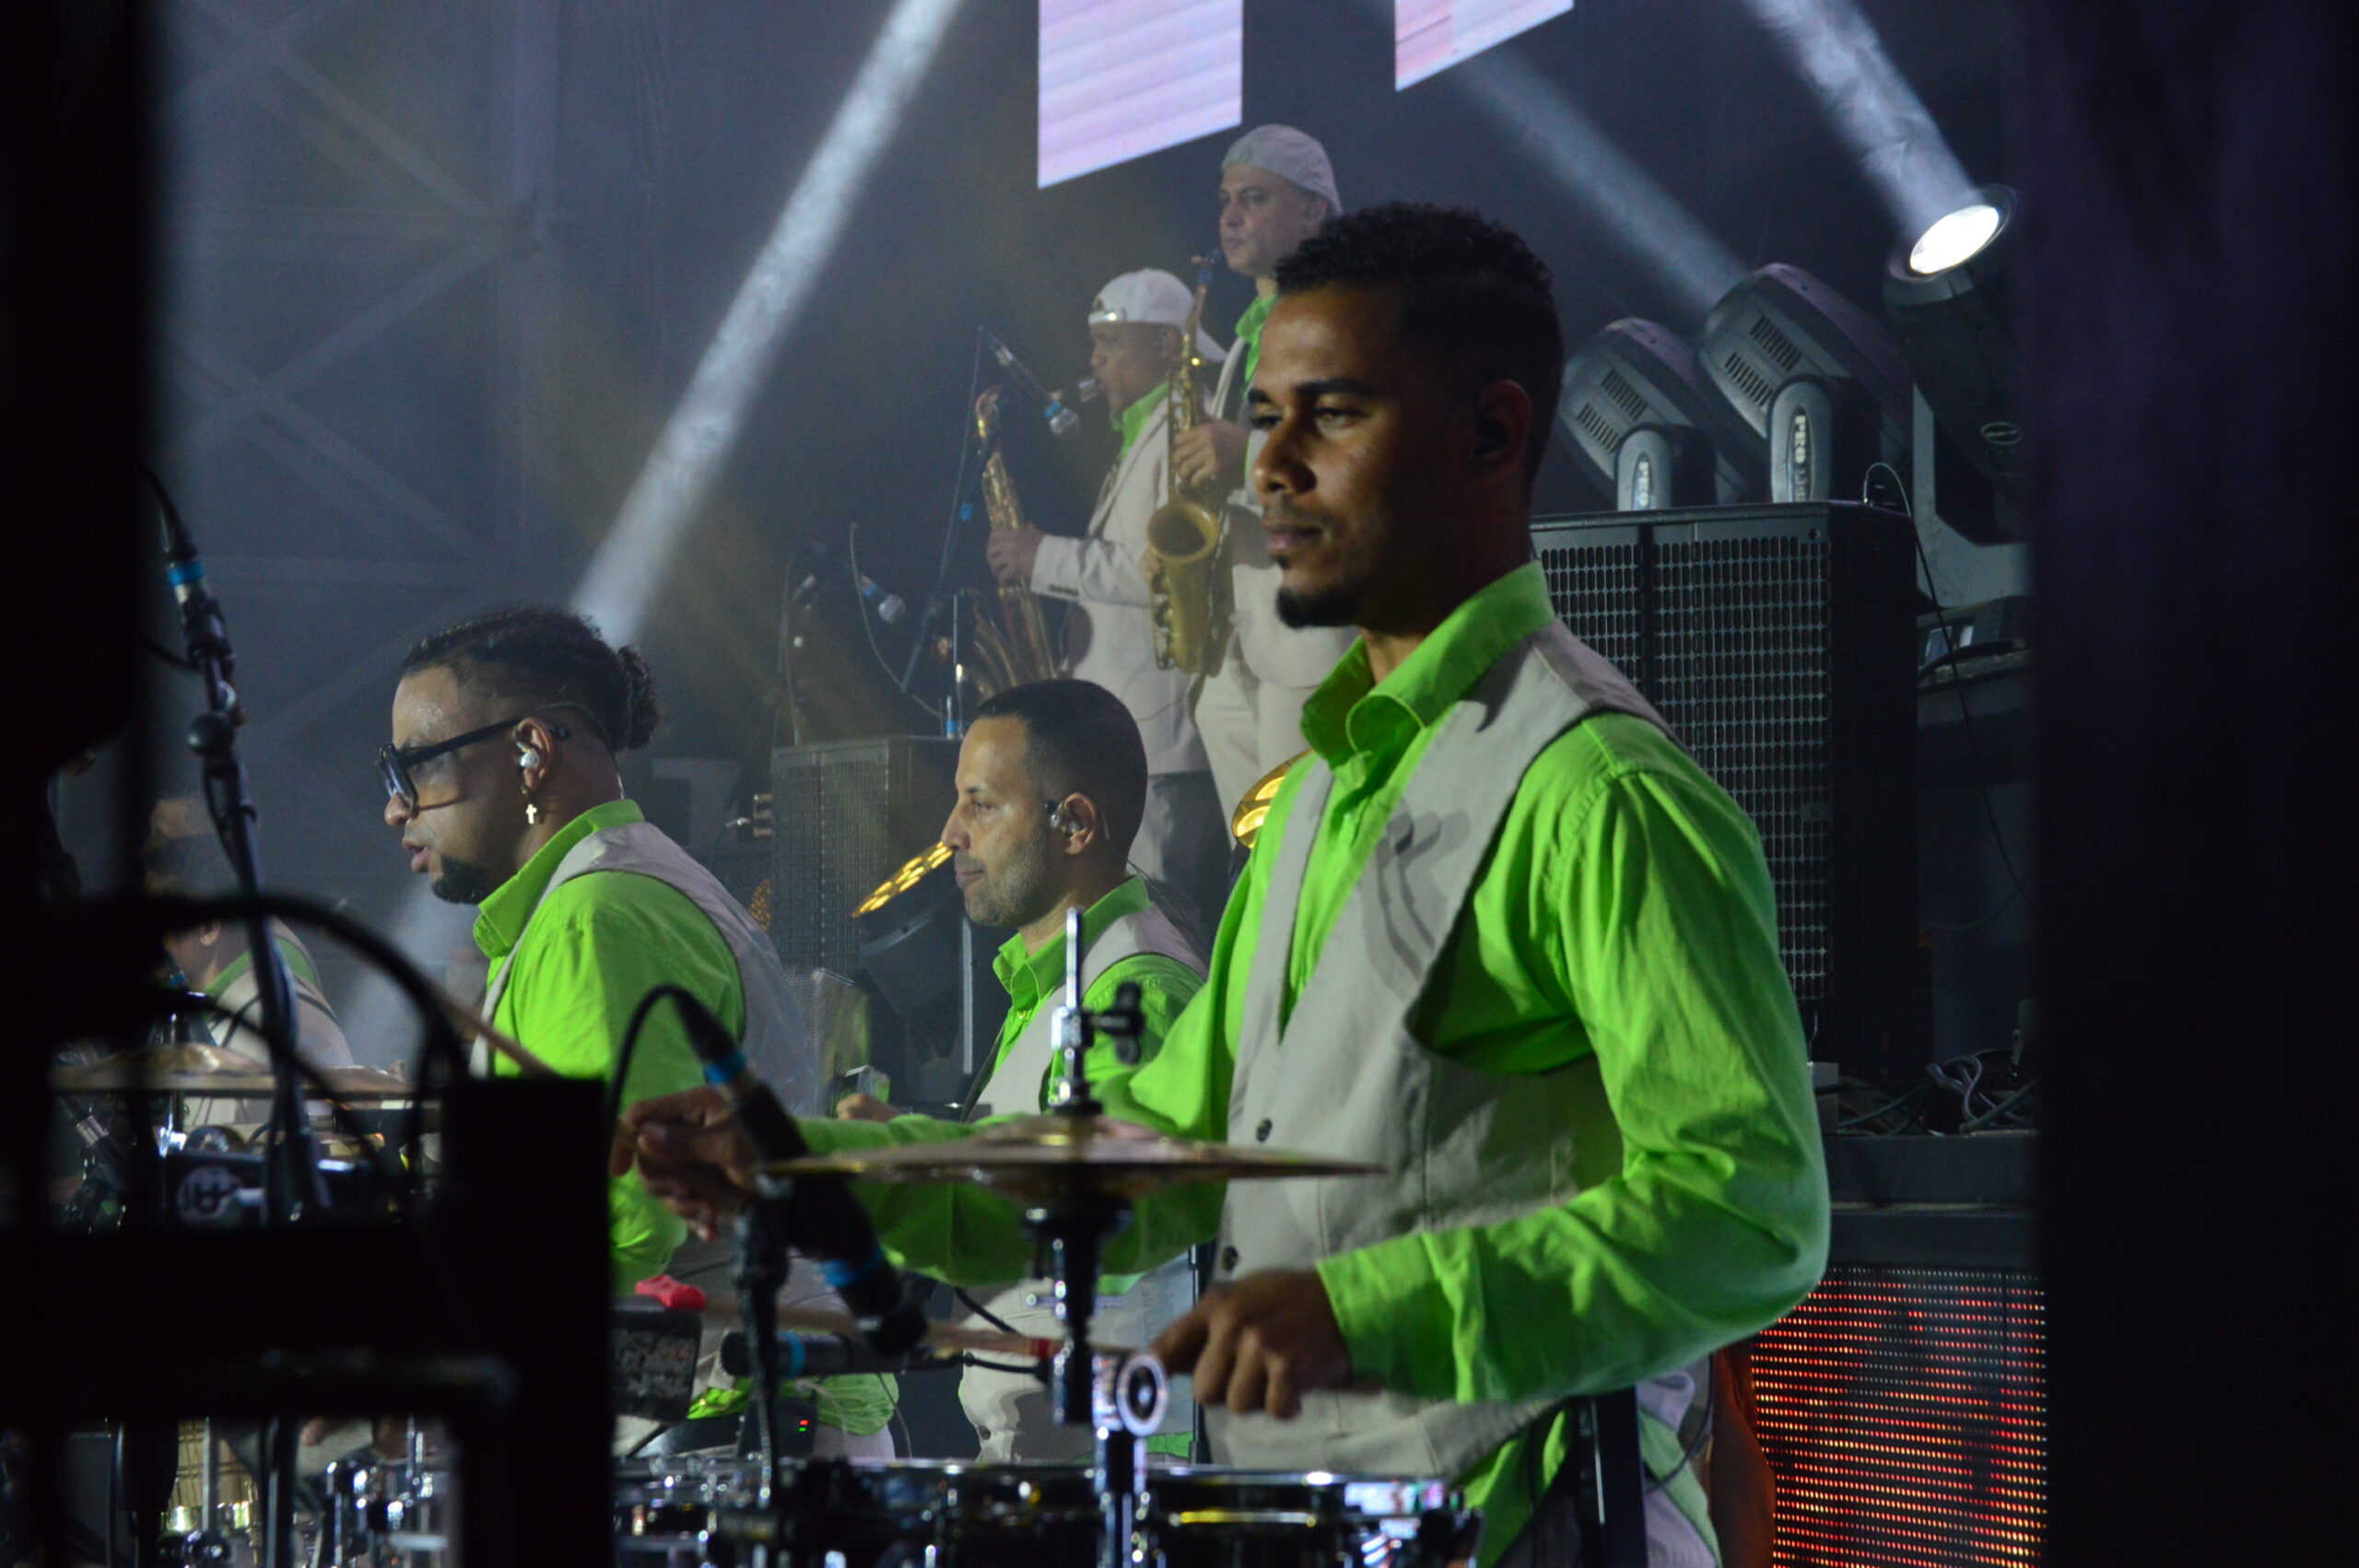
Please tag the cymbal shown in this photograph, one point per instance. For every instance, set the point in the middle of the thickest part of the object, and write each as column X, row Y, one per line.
column 1043, row 1156
column 209, row 1070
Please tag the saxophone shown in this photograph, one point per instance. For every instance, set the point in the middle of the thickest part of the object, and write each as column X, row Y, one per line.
column 1187, row 562
column 1013, row 650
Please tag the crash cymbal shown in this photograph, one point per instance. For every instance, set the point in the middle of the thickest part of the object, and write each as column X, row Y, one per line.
column 211, row 1071
column 1054, row 1155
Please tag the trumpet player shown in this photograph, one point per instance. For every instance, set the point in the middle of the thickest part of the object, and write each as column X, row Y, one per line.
column 1136, row 326
column 1277, row 189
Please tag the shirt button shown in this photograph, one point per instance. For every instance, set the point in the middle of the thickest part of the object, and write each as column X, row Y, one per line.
column 1228, row 1259
column 1261, row 1133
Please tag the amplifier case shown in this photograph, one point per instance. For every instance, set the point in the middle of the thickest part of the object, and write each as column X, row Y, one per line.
column 1779, row 641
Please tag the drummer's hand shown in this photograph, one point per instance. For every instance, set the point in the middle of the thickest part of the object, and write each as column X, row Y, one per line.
column 690, row 1153
column 1214, row 450
column 866, row 1107
column 1260, row 1344
column 1011, row 552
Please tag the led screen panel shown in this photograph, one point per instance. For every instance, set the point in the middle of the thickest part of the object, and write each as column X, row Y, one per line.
column 1121, row 79
column 1432, row 35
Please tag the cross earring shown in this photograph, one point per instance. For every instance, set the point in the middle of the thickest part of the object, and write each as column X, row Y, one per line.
column 532, row 813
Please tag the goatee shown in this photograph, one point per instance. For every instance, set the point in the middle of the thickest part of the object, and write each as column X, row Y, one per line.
column 463, row 883
column 1318, row 607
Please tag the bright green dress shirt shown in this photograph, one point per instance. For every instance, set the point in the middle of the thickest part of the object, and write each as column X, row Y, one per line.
column 1248, row 343
column 1035, row 980
column 1625, row 914
column 1129, row 422
column 585, row 956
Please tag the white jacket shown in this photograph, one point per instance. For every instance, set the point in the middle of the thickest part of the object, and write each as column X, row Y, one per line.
column 1109, row 635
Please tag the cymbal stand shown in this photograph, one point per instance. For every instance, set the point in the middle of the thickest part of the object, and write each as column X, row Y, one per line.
column 1121, row 1396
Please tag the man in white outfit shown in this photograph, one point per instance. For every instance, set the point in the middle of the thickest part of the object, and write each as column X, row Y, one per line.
column 1276, row 189
column 1135, row 334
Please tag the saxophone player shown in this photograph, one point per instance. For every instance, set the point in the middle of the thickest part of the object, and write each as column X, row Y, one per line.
column 1136, row 325
column 1277, row 189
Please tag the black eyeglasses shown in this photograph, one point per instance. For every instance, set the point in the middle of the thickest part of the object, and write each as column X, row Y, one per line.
column 395, row 762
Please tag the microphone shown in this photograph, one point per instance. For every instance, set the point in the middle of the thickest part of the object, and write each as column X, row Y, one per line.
column 823, row 1218
column 890, row 606
column 1062, row 421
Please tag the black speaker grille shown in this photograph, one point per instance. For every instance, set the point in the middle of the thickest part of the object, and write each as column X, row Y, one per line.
column 1778, row 642
column 1740, row 669
column 1904, row 1414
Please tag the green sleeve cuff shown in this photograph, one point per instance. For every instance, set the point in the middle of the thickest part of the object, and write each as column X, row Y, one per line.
column 1394, row 1316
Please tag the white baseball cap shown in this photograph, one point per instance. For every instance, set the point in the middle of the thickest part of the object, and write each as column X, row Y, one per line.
column 1151, row 297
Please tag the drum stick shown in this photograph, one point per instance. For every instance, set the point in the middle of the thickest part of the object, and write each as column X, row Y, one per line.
column 471, row 1026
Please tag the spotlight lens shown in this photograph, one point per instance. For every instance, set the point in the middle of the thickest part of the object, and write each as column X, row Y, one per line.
column 1952, row 240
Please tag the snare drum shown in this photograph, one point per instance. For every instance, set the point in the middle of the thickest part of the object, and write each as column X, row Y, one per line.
column 663, row 1508
column 876, row 1513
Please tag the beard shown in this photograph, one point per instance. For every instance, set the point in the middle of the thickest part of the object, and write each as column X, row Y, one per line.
column 462, row 881
column 1016, row 891
column 1336, row 605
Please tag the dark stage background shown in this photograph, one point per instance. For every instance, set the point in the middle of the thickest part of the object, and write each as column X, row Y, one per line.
column 434, row 276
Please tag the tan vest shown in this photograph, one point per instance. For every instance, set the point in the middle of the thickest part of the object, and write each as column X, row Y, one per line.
column 775, row 1043
column 1345, row 1077
column 1013, row 1421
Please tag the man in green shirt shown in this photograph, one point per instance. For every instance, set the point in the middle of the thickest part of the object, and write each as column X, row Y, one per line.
column 1276, row 189
column 1500, row 936
column 502, row 780
column 1052, row 781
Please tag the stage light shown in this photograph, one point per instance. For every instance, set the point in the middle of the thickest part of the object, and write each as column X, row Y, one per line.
column 1954, row 239
column 703, row 430
column 1648, row 428
column 1813, row 376
column 1949, row 306
column 1870, row 105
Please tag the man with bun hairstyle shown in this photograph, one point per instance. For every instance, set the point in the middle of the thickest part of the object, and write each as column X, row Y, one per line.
column 502, row 780
column 1501, row 939
column 1134, row 326
column 1277, row 189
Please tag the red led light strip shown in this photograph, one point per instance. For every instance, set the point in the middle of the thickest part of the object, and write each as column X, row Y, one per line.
column 1905, row 1414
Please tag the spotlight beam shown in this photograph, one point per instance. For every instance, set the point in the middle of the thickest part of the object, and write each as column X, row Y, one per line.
column 703, row 430
column 1620, row 199
column 1870, row 105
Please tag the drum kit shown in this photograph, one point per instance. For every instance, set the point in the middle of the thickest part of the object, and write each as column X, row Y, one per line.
column 1075, row 1172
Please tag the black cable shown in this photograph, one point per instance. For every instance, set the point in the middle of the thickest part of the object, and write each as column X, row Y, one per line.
column 1031, row 1369
column 987, row 1315
column 680, row 997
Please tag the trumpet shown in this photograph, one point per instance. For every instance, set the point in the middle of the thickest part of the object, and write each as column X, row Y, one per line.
column 1187, row 559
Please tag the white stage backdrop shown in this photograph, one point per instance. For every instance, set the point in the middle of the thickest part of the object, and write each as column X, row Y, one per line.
column 1430, row 36
column 1119, row 79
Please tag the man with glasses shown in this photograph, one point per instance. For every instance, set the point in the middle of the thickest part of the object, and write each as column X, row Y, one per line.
column 502, row 780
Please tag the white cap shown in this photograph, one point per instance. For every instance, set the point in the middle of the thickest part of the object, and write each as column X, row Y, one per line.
column 1290, row 155
column 1151, row 297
